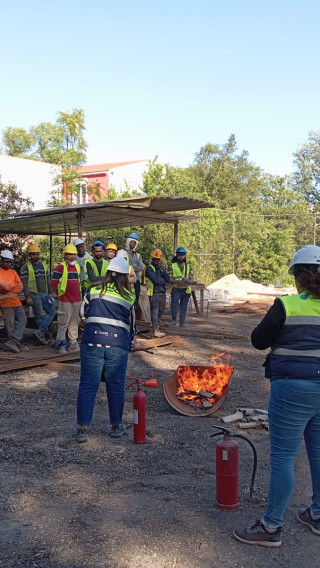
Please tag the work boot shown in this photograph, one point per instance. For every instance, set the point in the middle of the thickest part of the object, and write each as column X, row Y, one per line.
column 158, row 333
column 117, row 430
column 11, row 344
column 39, row 334
column 74, row 348
column 82, row 435
column 172, row 323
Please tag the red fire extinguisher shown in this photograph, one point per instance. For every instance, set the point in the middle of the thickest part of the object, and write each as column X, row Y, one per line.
column 139, row 409
column 227, row 469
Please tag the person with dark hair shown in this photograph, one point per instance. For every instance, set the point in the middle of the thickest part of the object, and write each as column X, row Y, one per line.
column 181, row 277
column 96, row 267
column 107, row 338
column 291, row 328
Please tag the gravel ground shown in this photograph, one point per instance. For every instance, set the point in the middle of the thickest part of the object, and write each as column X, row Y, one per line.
column 115, row 504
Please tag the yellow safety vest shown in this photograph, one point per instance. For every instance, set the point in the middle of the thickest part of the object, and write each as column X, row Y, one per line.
column 63, row 281
column 32, row 285
column 176, row 273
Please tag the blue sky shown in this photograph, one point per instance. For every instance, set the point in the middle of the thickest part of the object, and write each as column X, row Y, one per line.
column 166, row 78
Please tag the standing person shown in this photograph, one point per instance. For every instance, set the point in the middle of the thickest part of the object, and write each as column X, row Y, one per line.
column 135, row 260
column 96, row 267
column 181, row 278
column 82, row 256
column 106, row 341
column 14, row 316
column 291, row 328
column 111, row 251
column 38, row 292
column 66, row 284
column 157, row 278
column 132, row 278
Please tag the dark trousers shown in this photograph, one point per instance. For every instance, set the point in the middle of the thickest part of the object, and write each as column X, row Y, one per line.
column 157, row 308
column 179, row 298
column 137, row 289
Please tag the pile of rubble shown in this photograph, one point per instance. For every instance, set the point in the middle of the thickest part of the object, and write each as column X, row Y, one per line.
column 248, row 418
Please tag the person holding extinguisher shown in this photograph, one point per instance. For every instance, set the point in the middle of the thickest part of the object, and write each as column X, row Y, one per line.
column 291, row 328
column 106, row 341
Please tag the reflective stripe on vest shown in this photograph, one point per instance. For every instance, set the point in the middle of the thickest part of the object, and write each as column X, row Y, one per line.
column 149, row 282
column 178, row 275
column 300, row 334
column 108, row 321
column 92, row 263
column 32, row 284
column 63, row 281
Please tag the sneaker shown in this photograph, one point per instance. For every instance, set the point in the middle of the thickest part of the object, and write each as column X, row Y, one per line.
column 24, row 347
column 74, row 348
column 182, row 325
column 62, row 350
column 117, row 430
column 12, row 345
column 82, row 435
column 158, row 333
column 258, row 534
column 304, row 517
column 39, row 334
column 172, row 323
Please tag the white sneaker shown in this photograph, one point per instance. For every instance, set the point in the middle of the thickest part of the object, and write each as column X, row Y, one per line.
column 158, row 333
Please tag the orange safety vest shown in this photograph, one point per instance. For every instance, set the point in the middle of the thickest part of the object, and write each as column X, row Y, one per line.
column 10, row 287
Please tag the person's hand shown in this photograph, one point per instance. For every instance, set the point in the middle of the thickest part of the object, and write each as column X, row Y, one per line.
column 136, row 346
column 29, row 301
column 53, row 295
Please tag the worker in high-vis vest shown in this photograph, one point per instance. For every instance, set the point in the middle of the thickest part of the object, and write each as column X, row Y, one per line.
column 132, row 278
column 35, row 277
column 181, row 278
column 82, row 256
column 66, row 284
column 291, row 329
column 135, row 260
column 157, row 278
column 96, row 267
column 14, row 317
column 111, row 251
column 108, row 335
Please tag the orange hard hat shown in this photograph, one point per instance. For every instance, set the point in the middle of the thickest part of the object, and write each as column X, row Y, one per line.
column 156, row 253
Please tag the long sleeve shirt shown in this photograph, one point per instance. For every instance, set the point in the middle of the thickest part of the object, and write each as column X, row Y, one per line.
column 159, row 277
column 270, row 326
column 43, row 281
column 10, row 287
column 135, row 260
column 72, row 293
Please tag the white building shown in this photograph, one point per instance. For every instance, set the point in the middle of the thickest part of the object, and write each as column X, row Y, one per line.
column 34, row 179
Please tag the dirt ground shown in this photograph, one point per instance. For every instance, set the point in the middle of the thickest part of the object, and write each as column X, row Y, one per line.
column 115, row 504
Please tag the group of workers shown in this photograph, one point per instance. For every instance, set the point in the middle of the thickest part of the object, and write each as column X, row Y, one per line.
column 78, row 272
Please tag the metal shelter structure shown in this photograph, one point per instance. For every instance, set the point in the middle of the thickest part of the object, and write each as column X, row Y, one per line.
column 73, row 220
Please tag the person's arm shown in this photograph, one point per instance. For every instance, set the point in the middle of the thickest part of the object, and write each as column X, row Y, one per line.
column 57, row 273
column 91, row 275
column 24, row 275
column 270, row 326
column 140, row 265
column 165, row 275
column 153, row 277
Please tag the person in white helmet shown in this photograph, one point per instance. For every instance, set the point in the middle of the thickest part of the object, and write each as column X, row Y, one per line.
column 81, row 257
column 14, row 316
column 291, row 329
column 106, row 341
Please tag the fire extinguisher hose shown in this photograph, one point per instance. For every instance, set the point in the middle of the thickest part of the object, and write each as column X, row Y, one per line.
column 228, row 433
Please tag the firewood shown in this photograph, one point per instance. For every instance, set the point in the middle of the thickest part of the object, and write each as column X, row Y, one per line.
column 207, row 394
column 232, row 417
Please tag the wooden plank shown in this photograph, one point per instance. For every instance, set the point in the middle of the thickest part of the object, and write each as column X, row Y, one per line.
column 206, row 334
column 159, row 342
column 63, row 366
column 27, row 363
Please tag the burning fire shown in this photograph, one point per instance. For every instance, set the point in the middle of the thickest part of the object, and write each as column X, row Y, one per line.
column 202, row 386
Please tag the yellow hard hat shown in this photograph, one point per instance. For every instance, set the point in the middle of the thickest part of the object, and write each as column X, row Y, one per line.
column 70, row 249
column 111, row 246
column 34, row 248
column 156, row 253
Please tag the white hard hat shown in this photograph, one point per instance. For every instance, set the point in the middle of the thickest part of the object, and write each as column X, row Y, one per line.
column 7, row 255
column 77, row 242
column 118, row 264
column 123, row 253
column 309, row 254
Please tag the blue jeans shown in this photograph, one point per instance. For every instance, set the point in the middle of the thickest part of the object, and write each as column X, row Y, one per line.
column 40, row 304
column 294, row 413
column 114, row 360
column 179, row 296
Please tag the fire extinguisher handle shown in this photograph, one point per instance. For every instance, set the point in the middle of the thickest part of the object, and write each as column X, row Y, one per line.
column 222, row 431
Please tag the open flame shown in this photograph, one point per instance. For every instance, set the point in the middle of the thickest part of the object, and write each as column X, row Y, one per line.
column 202, row 386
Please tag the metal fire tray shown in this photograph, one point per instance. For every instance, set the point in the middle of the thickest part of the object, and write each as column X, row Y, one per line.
column 170, row 388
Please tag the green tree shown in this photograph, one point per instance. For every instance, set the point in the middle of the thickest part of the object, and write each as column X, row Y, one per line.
column 306, row 177
column 12, row 201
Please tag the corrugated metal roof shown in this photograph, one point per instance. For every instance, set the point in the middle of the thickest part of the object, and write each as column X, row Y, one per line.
column 102, row 215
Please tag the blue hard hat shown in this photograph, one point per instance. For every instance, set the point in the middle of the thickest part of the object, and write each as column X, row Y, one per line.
column 182, row 250
column 98, row 244
column 133, row 236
